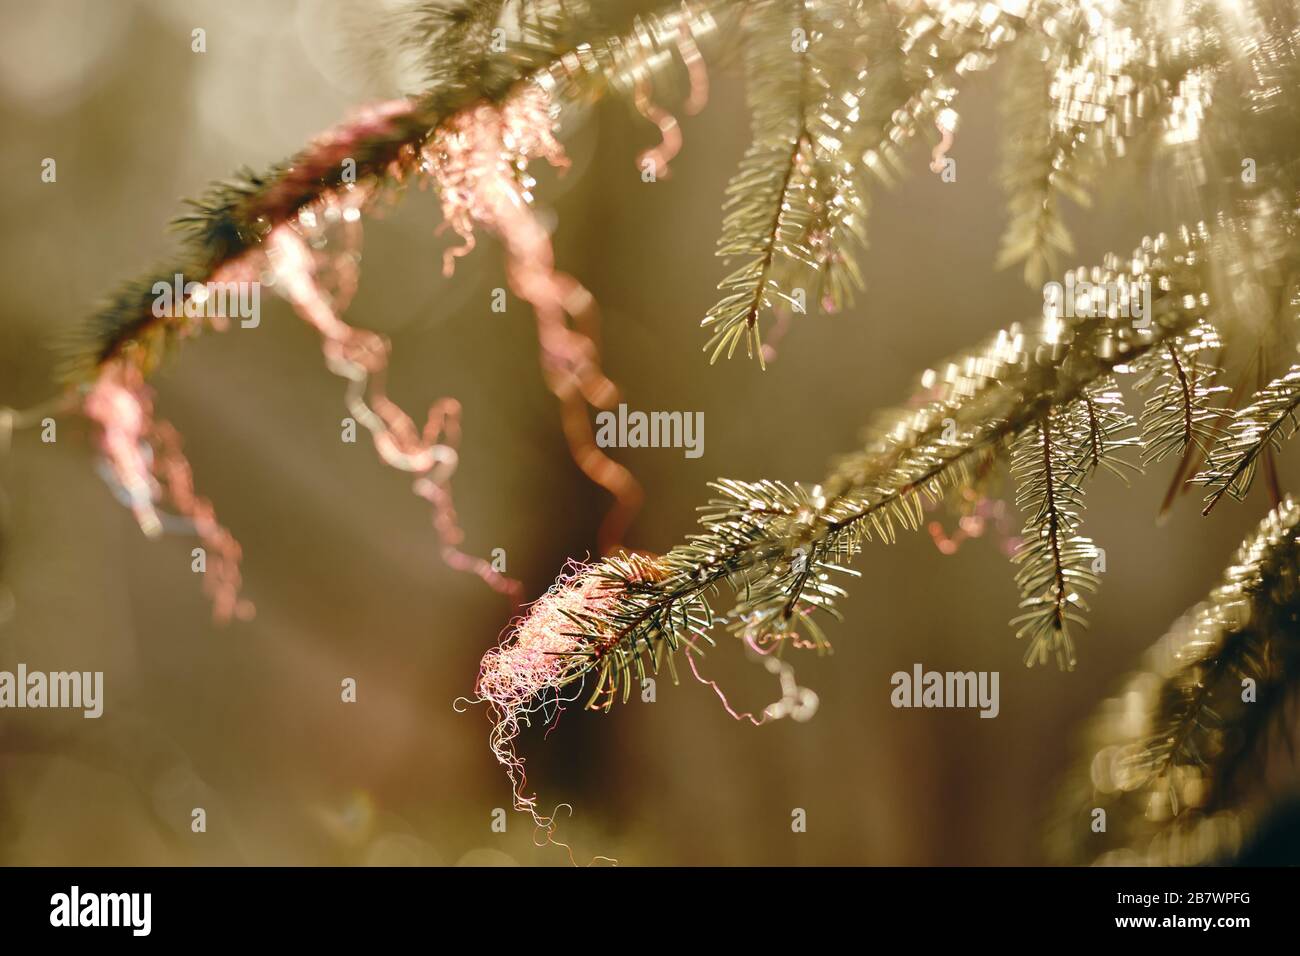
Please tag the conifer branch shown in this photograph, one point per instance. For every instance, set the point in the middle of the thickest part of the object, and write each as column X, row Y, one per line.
column 1039, row 163
column 1050, row 461
column 1253, row 432
column 1108, row 428
column 780, row 549
column 1051, row 557
column 797, row 207
column 488, row 112
column 1177, row 416
column 1089, row 85
column 233, row 217
column 835, row 88
column 767, row 197
column 794, row 213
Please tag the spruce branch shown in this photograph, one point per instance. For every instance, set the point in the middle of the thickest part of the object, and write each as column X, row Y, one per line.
column 233, row 216
column 1177, row 417
column 836, row 89
column 1179, row 760
column 828, row 117
column 1108, row 429
column 1253, row 432
column 1050, row 461
column 797, row 206
column 862, row 39
column 767, row 199
column 487, row 113
column 781, row 550
column 1092, row 84
column 1053, row 559
column 1040, row 163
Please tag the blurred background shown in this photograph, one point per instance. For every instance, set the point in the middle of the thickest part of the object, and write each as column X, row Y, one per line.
column 246, row 720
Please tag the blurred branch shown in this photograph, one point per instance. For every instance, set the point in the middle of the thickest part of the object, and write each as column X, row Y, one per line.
column 379, row 147
column 1175, row 769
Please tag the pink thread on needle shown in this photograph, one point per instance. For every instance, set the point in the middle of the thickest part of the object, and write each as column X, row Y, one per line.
column 478, row 161
column 696, row 69
column 670, row 132
column 939, row 157
column 119, row 402
column 362, row 358
column 221, row 579
column 538, row 656
column 145, row 460
column 721, row 696
column 447, row 524
column 671, row 135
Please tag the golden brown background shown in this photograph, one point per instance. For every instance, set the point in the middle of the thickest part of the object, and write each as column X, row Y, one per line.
column 341, row 560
